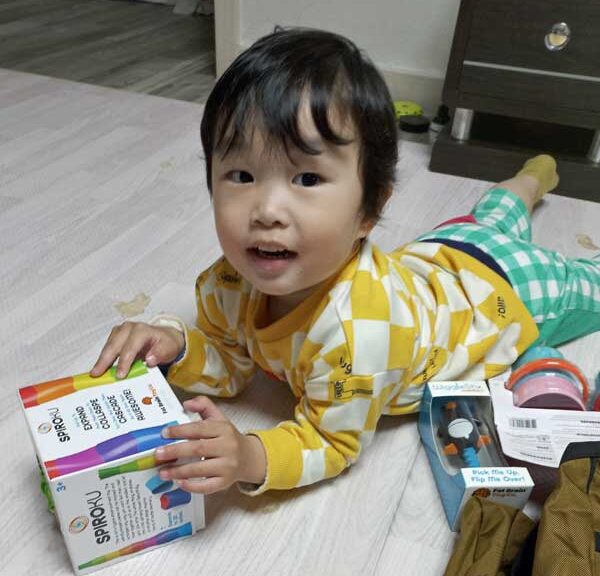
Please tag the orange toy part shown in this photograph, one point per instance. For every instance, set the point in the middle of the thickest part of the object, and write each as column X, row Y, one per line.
column 549, row 363
column 484, row 440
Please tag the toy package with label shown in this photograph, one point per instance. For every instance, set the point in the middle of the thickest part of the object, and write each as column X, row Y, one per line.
column 457, row 430
column 95, row 440
column 537, row 437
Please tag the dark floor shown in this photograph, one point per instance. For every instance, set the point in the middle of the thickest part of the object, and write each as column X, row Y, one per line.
column 136, row 46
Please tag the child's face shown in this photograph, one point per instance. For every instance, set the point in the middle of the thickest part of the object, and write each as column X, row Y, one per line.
column 288, row 224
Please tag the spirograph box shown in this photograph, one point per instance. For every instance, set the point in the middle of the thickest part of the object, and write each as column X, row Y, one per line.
column 95, row 440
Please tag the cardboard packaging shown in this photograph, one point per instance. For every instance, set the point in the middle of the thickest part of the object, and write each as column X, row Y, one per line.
column 95, row 440
column 538, row 437
column 455, row 424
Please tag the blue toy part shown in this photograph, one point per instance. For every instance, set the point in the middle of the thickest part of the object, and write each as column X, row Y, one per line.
column 470, row 457
column 536, row 353
column 156, row 484
column 174, row 498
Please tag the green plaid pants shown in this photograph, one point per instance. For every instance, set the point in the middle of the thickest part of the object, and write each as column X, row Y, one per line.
column 562, row 294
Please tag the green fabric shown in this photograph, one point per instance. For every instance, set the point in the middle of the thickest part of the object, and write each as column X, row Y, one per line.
column 491, row 535
column 562, row 294
column 567, row 539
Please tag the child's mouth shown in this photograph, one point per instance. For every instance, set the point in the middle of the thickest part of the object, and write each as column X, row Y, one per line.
column 273, row 254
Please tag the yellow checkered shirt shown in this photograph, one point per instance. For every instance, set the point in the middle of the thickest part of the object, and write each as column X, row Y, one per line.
column 361, row 346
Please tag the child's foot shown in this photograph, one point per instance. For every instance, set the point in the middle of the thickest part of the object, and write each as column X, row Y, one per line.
column 543, row 169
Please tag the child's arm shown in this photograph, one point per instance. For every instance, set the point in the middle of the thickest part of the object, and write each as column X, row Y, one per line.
column 325, row 438
column 211, row 358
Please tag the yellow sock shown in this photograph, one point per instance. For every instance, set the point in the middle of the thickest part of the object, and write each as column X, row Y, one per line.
column 543, row 168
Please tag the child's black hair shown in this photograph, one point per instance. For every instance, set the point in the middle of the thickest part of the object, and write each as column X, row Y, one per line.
column 266, row 83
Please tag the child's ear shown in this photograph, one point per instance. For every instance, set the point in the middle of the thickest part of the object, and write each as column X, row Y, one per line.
column 369, row 223
column 386, row 196
column 366, row 226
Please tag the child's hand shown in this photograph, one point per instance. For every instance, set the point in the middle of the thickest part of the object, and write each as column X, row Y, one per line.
column 229, row 456
column 132, row 340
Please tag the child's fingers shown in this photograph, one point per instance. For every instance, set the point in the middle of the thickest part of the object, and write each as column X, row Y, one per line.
column 199, row 469
column 204, row 486
column 195, row 430
column 194, row 449
column 205, row 407
column 139, row 337
column 111, row 349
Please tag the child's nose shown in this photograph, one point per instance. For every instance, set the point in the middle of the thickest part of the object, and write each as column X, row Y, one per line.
column 271, row 208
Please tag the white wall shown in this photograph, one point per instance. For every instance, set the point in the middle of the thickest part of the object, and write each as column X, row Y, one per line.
column 409, row 40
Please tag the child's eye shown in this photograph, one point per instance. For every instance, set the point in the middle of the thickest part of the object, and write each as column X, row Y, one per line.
column 307, row 179
column 240, row 177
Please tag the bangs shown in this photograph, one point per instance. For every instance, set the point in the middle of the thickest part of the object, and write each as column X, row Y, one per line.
column 273, row 109
column 265, row 87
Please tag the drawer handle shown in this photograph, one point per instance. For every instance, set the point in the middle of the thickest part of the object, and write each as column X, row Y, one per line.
column 558, row 37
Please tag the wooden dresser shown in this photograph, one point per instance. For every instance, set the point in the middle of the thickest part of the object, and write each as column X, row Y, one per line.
column 524, row 78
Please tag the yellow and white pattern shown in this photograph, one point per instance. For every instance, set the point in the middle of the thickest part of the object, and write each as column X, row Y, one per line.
column 361, row 346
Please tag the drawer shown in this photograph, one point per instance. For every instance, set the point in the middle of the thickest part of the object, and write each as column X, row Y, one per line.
column 528, row 95
column 506, row 59
column 511, row 33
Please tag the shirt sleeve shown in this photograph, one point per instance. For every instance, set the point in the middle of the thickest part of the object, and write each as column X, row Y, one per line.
column 333, row 422
column 216, row 360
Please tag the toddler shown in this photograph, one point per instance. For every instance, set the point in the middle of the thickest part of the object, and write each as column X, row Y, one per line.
column 300, row 142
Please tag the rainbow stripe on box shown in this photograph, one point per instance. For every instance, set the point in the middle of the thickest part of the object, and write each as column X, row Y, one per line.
column 157, row 540
column 143, row 463
column 121, row 446
column 46, row 391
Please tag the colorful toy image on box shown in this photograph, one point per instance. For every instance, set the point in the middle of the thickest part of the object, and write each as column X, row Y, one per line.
column 461, row 433
column 95, row 440
column 543, row 378
column 456, row 427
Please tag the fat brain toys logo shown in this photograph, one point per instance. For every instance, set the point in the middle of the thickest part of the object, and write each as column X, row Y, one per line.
column 482, row 492
column 154, row 398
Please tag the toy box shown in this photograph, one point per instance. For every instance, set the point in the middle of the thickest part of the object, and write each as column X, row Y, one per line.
column 538, row 437
column 458, row 434
column 95, row 439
